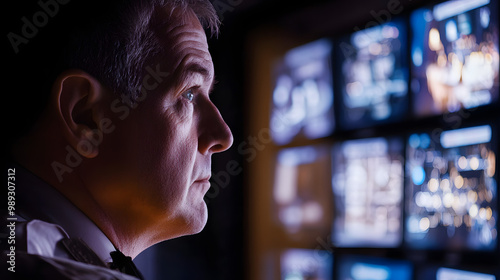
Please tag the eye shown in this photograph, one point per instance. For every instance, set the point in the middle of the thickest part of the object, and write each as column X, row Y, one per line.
column 189, row 95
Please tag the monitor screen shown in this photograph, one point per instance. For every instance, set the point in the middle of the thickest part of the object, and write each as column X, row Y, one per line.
column 301, row 192
column 367, row 181
column 454, row 53
column 306, row 264
column 435, row 272
column 373, row 75
column 372, row 268
column 302, row 98
column 454, row 274
column 451, row 189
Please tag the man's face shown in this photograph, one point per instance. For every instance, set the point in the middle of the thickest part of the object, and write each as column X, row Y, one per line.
column 161, row 152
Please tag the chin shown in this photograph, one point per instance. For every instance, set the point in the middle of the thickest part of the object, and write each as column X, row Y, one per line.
column 198, row 229
column 202, row 221
column 195, row 221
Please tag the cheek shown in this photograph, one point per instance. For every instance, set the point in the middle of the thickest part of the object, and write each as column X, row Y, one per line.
column 168, row 155
column 175, row 135
column 179, row 113
column 169, row 178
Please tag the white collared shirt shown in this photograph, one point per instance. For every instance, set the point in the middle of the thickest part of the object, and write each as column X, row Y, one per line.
column 37, row 200
column 44, row 218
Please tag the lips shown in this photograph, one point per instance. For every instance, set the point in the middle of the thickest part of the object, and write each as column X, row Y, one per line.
column 204, row 179
column 203, row 184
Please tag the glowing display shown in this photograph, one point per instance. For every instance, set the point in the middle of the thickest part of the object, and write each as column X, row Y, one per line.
column 466, row 136
column 370, row 268
column 452, row 190
column 304, row 264
column 452, row 274
column 301, row 188
column 434, row 272
column 302, row 99
column 368, row 190
column 455, row 57
column 374, row 75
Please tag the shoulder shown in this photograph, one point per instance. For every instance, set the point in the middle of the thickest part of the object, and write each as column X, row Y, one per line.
column 38, row 253
column 28, row 266
column 40, row 238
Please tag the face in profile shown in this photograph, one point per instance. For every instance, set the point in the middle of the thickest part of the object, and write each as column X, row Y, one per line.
column 157, row 162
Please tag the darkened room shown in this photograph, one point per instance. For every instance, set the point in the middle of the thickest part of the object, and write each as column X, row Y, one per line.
column 366, row 135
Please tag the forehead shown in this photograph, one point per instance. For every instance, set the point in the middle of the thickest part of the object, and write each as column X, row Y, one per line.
column 182, row 39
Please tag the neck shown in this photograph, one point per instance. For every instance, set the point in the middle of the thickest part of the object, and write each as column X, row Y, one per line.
column 73, row 187
column 88, row 193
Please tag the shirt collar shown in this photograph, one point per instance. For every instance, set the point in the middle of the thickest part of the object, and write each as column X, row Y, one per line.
column 39, row 200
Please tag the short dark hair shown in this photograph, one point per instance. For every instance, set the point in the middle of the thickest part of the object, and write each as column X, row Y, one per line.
column 111, row 40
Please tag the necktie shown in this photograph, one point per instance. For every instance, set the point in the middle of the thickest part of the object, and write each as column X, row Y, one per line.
column 124, row 264
column 81, row 252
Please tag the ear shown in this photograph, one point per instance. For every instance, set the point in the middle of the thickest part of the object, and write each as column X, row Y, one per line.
column 78, row 98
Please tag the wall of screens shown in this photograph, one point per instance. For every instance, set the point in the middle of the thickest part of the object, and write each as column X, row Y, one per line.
column 403, row 119
column 367, row 175
column 432, row 272
column 372, row 72
column 364, row 267
column 454, row 51
column 451, row 189
column 302, row 98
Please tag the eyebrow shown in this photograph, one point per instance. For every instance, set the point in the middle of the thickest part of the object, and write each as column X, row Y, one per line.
column 197, row 68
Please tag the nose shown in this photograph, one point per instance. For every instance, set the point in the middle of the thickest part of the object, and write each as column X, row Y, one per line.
column 215, row 135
